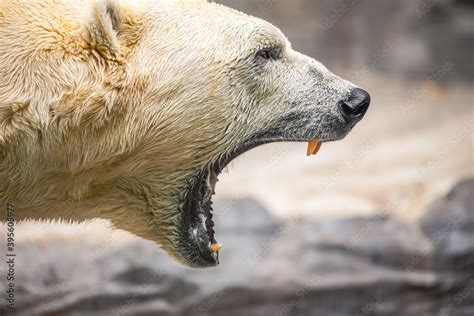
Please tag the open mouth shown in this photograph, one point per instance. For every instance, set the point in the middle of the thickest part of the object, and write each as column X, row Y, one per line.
column 198, row 239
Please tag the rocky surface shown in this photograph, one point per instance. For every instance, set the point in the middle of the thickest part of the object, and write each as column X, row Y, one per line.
column 360, row 266
column 450, row 225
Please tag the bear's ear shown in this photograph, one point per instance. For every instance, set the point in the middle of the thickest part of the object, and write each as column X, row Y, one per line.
column 106, row 19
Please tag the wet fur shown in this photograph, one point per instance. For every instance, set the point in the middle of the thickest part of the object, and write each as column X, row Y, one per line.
column 109, row 109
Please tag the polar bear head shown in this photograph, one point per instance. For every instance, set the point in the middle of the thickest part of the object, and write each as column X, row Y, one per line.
column 149, row 103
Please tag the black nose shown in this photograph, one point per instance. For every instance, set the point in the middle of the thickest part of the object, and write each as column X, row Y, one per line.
column 356, row 106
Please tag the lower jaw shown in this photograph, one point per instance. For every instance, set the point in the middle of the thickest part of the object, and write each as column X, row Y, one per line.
column 206, row 248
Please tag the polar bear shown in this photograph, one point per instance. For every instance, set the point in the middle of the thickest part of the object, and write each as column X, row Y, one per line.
column 129, row 110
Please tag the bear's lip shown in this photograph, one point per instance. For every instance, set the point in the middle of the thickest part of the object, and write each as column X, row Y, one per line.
column 197, row 240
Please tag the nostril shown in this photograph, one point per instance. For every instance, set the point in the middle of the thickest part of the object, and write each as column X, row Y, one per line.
column 356, row 106
column 350, row 109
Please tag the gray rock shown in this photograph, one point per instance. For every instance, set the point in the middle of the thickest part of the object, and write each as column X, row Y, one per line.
column 360, row 266
column 241, row 216
column 450, row 224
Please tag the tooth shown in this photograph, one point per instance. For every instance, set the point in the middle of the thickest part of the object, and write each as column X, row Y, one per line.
column 216, row 247
column 313, row 147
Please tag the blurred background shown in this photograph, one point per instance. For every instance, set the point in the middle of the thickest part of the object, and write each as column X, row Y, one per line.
column 381, row 223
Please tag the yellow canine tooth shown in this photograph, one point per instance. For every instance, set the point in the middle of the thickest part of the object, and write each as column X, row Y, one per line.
column 216, row 247
column 313, row 147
